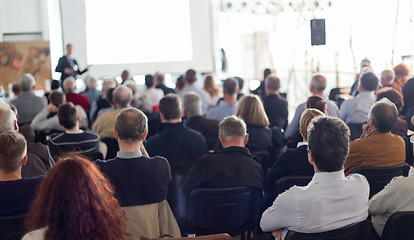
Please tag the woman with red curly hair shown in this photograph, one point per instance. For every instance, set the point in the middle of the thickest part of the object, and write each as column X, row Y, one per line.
column 75, row 201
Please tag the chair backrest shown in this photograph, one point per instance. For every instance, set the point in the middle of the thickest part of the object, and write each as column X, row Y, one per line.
column 12, row 228
column 263, row 158
column 355, row 129
column 409, row 155
column 285, row 183
column 221, row 236
column 218, row 210
column 399, row 226
column 113, row 147
column 379, row 177
column 356, row 231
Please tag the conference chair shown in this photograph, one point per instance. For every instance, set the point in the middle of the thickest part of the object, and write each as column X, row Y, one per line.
column 409, row 155
column 356, row 231
column 379, row 177
column 399, row 226
column 263, row 158
column 285, row 183
column 231, row 210
column 12, row 228
column 221, row 236
column 355, row 129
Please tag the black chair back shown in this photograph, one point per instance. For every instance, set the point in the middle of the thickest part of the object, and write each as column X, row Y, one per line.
column 263, row 158
column 112, row 145
column 231, row 210
column 409, row 155
column 379, row 177
column 399, row 226
column 12, row 228
column 285, row 183
column 355, row 129
column 356, row 231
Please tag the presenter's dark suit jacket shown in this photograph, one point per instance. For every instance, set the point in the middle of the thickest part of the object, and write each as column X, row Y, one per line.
column 229, row 167
column 64, row 63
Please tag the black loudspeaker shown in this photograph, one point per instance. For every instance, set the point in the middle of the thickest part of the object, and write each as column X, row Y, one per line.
column 318, row 32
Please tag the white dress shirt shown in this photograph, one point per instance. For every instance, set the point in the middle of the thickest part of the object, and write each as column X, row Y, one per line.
column 397, row 196
column 356, row 110
column 153, row 95
column 328, row 202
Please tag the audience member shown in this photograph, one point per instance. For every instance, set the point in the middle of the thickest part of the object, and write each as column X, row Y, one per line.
column 408, row 108
column 47, row 119
column 316, row 102
column 102, row 102
column 73, row 139
column 153, row 94
column 294, row 162
column 16, row 193
column 139, row 101
column 91, row 91
column 212, row 89
column 196, row 121
column 275, row 105
column 104, row 125
column 39, row 160
column 261, row 90
column 179, row 85
column 125, row 75
column 190, row 79
column 75, row 201
column 356, row 110
column 377, row 147
column 317, row 86
column 16, row 89
column 401, row 125
column 161, row 84
column 402, row 73
column 69, row 86
column 228, row 106
column 27, row 103
column 330, row 200
column 365, row 66
column 239, row 89
column 233, row 166
column 174, row 141
column 387, row 78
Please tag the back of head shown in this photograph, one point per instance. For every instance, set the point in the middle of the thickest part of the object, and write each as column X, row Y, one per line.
column 392, row 95
column 190, row 76
column 68, row 117
column 122, row 96
column 387, row 76
column 180, row 83
column 369, row 81
column 73, row 192
column 125, row 75
column 170, row 107
column 273, row 83
column 316, row 102
column 318, row 82
column 233, row 126
column 210, row 85
column 57, row 98
column 55, row 84
column 7, row 118
column 401, row 70
column 107, row 84
column 27, row 82
column 160, row 78
column 192, row 104
column 251, row 110
column 132, row 85
column 306, row 118
column 91, row 82
column 230, row 86
column 13, row 150
column 16, row 89
column 149, row 81
column 240, row 81
column 267, row 72
column 384, row 113
column 69, row 85
column 130, row 125
column 328, row 139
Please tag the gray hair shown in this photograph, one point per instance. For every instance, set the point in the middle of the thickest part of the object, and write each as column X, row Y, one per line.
column 388, row 75
column 132, row 85
column 91, row 82
column 122, row 96
column 7, row 118
column 27, row 82
column 273, row 82
column 69, row 85
column 385, row 114
column 107, row 84
column 192, row 104
column 232, row 127
column 318, row 82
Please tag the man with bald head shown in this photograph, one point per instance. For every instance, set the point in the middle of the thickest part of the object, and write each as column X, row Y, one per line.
column 104, row 125
column 387, row 78
column 69, row 86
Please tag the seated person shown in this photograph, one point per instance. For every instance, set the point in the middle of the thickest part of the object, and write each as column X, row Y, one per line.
column 330, row 200
column 294, row 162
column 69, row 86
column 16, row 193
column 233, row 166
column 401, row 125
column 228, row 106
column 377, row 147
column 73, row 139
column 47, row 119
column 275, row 105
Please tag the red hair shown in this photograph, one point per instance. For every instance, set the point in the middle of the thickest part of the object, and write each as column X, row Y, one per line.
column 75, row 201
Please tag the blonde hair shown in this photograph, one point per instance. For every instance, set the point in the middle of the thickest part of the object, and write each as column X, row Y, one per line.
column 251, row 110
column 210, row 86
column 306, row 118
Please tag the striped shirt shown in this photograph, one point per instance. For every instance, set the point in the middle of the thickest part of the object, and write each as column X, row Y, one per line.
column 79, row 142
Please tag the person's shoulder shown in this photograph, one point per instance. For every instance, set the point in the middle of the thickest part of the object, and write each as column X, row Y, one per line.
column 38, row 234
column 357, row 178
column 91, row 134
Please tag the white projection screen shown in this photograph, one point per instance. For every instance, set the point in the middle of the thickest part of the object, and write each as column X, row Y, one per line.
column 139, row 35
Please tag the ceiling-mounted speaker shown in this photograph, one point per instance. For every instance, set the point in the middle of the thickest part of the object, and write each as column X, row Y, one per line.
column 318, row 35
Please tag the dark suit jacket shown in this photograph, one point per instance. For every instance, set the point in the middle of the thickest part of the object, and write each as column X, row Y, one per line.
column 64, row 63
column 206, row 126
column 39, row 160
column 229, row 167
column 276, row 108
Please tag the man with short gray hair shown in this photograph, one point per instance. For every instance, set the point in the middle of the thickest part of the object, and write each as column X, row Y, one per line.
column 196, row 121
column 377, row 147
column 232, row 166
column 387, row 78
column 275, row 105
column 69, row 86
column 27, row 103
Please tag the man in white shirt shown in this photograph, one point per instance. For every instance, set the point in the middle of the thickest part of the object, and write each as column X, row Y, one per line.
column 356, row 110
column 190, row 80
column 153, row 94
column 330, row 200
